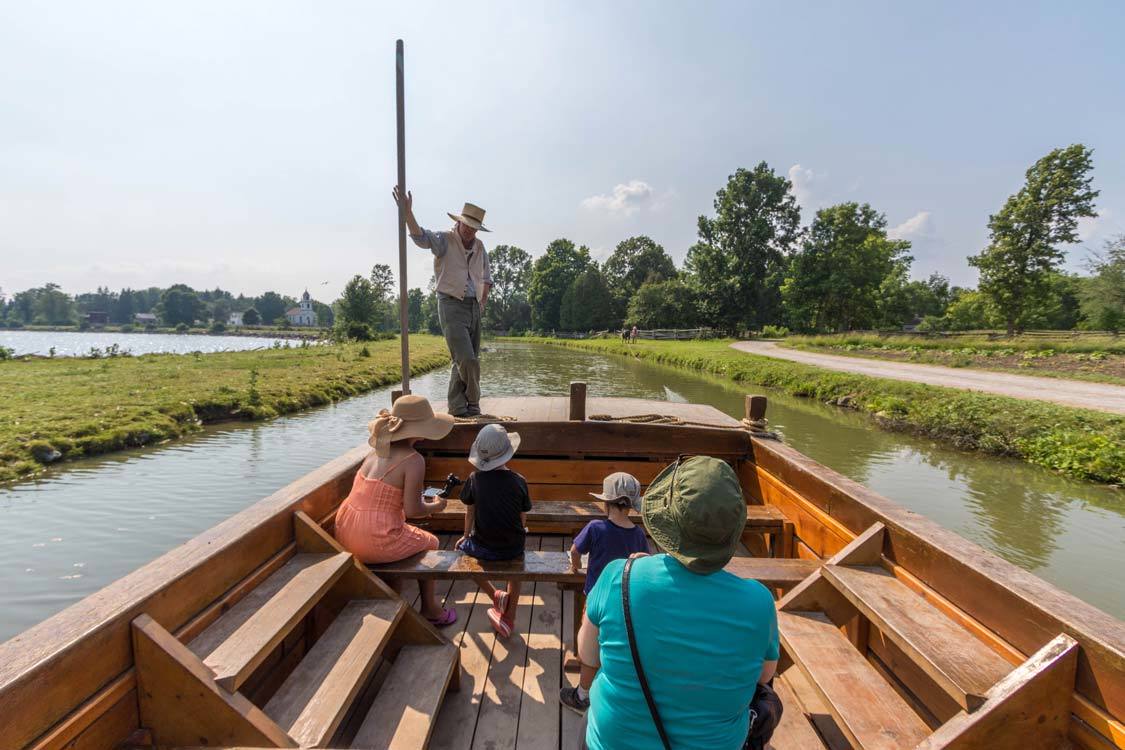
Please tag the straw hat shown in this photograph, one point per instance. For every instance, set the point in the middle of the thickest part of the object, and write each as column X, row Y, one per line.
column 472, row 216
column 493, row 447
column 410, row 417
column 694, row 511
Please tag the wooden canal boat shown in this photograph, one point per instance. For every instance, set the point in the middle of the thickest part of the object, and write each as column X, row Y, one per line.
column 261, row 632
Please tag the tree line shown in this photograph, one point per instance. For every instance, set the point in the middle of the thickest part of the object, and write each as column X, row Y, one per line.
column 754, row 265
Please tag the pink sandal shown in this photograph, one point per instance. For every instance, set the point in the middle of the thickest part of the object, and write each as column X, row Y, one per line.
column 500, row 599
column 448, row 617
column 502, row 625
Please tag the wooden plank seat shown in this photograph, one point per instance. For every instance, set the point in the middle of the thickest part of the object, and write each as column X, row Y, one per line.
column 554, row 567
column 568, row 517
column 960, row 664
column 867, row 709
column 251, row 632
column 313, row 700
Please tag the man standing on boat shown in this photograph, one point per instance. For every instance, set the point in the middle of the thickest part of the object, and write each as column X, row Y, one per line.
column 463, row 280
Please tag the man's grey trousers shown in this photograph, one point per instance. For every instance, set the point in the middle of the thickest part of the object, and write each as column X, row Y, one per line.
column 460, row 322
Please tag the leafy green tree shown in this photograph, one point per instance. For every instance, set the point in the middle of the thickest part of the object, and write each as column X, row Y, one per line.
column 360, row 304
column 633, row 262
column 415, row 302
column 221, row 309
column 1102, row 295
column 251, row 317
column 739, row 262
column 124, row 308
column 901, row 301
column 552, row 273
column 664, row 304
column 1026, row 234
column 834, row 281
column 507, row 307
column 180, row 304
column 970, row 311
column 52, row 306
column 587, row 304
column 383, row 279
column 324, row 315
column 270, row 306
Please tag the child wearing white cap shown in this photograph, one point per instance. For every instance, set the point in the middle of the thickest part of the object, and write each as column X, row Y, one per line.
column 496, row 504
column 615, row 538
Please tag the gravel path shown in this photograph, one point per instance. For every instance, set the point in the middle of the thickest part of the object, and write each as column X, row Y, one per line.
column 1097, row 396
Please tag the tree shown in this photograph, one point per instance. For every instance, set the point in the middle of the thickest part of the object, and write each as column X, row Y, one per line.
column 833, row 283
column 383, row 280
column 324, row 315
column 587, row 304
column 1024, row 237
column 970, row 311
column 902, row 301
column 415, row 302
column 180, row 304
column 552, row 273
column 270, row 306
column 1102, row 296
column 664, row 304
column 633, row 262
column 251, row 317
column 52, row 306
column 739, row 261
column 507, row 307
column 358, row 305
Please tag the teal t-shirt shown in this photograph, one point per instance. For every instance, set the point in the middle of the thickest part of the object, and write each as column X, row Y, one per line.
column 702, row 640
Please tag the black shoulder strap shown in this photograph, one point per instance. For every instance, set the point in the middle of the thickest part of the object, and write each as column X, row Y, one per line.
column 637, row 657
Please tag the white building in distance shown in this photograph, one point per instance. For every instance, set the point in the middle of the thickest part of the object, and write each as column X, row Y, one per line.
column 303, row 314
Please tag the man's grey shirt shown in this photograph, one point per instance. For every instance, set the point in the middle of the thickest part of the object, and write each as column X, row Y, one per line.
column 437, row 242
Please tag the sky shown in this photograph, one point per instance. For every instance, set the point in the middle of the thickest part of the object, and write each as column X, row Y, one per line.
column 250, row 145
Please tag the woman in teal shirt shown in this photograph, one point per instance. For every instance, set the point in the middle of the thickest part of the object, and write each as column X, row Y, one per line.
column 705, row 637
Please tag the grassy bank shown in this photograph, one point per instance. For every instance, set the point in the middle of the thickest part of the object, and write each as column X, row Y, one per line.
column 1076, row 442
column 79, row 407
column 1097, row 358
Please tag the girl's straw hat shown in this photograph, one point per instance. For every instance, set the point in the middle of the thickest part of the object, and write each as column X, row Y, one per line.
column 410, row 417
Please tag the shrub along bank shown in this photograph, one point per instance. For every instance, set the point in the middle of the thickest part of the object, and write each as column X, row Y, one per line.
column 1076, row 442
column 56, row 409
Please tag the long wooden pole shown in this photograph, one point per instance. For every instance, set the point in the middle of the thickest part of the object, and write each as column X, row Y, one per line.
column 403, row 301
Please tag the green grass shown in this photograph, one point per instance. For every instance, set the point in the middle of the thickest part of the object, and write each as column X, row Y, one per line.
column 1076, row 442
column 81, row 407
column 1062, row 342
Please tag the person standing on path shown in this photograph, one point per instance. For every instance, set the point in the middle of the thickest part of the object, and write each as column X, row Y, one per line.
column 463, row 280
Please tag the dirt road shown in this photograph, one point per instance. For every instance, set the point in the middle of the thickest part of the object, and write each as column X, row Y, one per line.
column 1098, row 396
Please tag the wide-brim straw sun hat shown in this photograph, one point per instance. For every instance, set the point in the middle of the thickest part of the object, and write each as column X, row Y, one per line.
column 694, row 511
column 472, row 215
column 410, row 417
column 493, row 447
column 620, row 485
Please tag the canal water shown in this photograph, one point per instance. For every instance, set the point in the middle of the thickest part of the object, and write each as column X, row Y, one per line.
column 79, row 343
column 86, row 523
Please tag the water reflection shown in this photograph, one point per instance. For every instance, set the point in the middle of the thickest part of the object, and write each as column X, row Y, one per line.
column 73, row 343
column 72, row 531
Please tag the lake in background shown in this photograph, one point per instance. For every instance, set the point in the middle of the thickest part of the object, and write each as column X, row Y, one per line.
column 86, row 523
column 78, row 343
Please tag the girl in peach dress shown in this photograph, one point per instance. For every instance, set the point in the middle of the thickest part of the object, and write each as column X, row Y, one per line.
column 371, row 522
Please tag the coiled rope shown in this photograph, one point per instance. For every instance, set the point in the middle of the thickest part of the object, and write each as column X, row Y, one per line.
column 756, row 427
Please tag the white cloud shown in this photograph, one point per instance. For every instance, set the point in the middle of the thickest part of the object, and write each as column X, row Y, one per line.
column 1094, row 228
column 918, row 227
column 804, row 180
column 625, row 200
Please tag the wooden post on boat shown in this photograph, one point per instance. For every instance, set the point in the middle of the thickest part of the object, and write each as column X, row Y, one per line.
column 395, row 396
column 403, row 302
column 755, row 408
column 578, row 402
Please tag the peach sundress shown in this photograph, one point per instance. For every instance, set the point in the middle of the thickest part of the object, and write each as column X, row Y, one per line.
column 371, row 522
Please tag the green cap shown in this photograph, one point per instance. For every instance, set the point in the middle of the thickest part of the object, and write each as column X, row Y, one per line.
column 694, row 511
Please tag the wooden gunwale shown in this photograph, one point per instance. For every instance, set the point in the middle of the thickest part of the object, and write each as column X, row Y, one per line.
column 89, row 642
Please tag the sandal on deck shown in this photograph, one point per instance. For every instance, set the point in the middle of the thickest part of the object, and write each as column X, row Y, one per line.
column 448, row 617
column 500, row 599
column 502, row 625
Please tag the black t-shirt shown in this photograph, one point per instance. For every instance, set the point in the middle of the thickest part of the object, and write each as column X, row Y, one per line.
column 499, row 497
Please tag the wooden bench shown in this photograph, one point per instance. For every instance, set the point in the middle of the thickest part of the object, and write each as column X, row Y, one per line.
column 569, row 517
column 554, row 567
